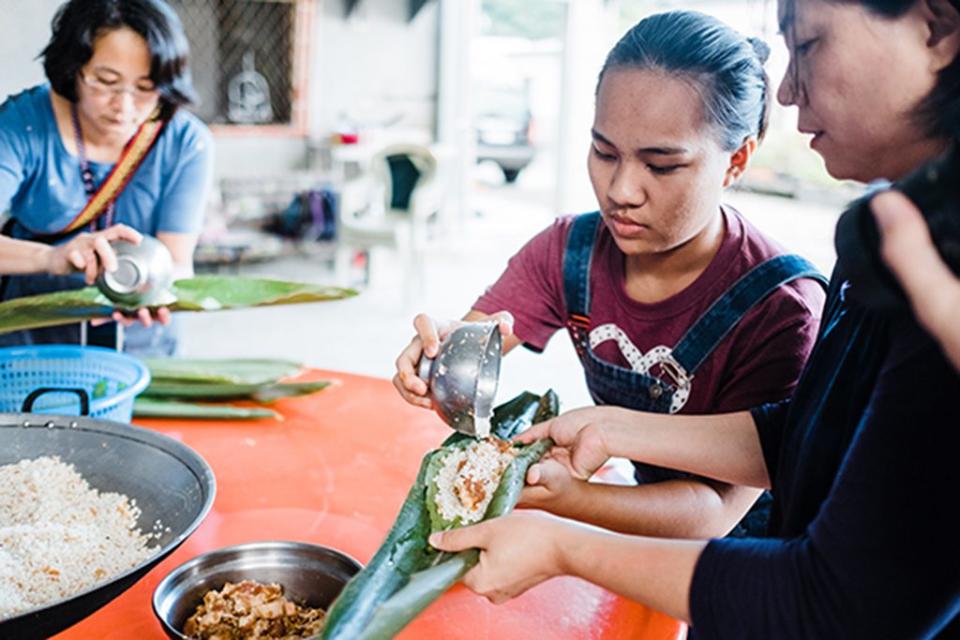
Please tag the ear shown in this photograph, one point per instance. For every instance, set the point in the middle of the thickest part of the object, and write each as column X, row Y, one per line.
column 943, row 27
column 739, row 161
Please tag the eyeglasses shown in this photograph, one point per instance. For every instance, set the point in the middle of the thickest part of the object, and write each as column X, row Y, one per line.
column 114, row 88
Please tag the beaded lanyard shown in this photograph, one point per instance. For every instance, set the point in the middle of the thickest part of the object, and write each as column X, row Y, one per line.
column 101, row 201
column 87, row 173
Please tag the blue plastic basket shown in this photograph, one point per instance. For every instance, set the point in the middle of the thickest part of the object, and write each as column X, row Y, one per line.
column 70, row 380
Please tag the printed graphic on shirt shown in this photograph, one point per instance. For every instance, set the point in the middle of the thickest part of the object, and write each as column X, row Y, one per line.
column 660, row 357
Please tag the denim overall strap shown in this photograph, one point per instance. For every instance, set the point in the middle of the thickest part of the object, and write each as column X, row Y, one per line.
column 576, row 263
column 723, row 315
column 576, row 276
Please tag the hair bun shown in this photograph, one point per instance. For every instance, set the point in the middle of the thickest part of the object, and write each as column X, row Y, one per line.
column 760, row 48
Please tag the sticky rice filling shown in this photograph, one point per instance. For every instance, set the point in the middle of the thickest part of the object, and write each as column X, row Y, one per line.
column 468, row 478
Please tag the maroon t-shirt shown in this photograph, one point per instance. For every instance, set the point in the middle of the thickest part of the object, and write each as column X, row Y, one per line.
column 758, row 362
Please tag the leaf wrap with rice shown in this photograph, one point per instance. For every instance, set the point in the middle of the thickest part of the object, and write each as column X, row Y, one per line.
column 406, row 574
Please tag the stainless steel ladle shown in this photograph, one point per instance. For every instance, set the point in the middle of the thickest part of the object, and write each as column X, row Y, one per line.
column 463, row 377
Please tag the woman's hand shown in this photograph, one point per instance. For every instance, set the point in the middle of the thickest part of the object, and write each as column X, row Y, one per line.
column 932, row 288
column 523, row 549
column 551, row 486
column 517, row 552
column 89, row 252
column 430, row 333
column 143, row 315
column 580, row 439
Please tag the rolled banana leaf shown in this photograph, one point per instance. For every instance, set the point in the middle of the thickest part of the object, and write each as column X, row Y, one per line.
column 221, row 370
column 406, row 574
column 202, row 293
column 427, row 585
column 153, row 408
column 232, row 391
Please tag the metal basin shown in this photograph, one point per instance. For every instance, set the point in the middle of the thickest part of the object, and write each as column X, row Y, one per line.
column 310, row 574
column 169, row 481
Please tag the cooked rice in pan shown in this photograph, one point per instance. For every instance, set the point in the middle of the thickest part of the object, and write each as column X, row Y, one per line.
column 58, row 536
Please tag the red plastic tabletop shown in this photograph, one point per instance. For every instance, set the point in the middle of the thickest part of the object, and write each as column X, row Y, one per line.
column 334, row 471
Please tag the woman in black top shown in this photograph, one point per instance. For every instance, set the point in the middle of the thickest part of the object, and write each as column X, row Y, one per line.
column 933, row 290
column 861, row 461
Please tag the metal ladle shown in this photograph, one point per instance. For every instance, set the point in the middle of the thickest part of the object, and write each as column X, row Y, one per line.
column 464, row 375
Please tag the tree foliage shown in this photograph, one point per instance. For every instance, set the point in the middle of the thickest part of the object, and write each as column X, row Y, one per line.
column 533, row 19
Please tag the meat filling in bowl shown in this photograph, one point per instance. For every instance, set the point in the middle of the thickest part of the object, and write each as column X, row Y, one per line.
column 249, row 610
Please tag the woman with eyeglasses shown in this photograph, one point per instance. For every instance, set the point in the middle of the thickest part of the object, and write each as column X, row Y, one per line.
column 103, row 142
column 862, row 459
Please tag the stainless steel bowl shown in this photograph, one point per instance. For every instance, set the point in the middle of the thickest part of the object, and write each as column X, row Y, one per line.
column 143, row 275
column 310, row 574
column 463, row 378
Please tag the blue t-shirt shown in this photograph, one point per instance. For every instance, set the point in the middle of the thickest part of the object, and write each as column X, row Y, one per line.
column 41, row 185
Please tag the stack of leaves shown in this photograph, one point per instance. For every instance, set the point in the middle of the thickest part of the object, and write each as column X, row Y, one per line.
column 202, row 389
column 202, row 293
column 407, row 574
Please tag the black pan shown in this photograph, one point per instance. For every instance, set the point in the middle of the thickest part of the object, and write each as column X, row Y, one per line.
column 169, row 481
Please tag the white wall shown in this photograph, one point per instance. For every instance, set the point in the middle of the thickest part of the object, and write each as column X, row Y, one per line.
column 375, row 66
column 24, row 31
column 372, row 66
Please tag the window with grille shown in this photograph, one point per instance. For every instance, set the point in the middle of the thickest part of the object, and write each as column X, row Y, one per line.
column 247, row 58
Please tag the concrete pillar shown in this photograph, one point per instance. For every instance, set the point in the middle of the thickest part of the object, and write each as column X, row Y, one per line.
column 456, row 148
column 592, row 28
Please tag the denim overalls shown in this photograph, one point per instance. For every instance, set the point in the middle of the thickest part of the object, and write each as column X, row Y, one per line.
column 668, row 391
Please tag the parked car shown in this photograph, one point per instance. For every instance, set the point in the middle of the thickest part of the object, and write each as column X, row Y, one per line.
column 504, row 125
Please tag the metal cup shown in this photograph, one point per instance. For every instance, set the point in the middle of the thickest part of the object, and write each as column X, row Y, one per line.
column 464, row 375
column 143, row 275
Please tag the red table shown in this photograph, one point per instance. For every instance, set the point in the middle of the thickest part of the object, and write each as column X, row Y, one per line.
column 334, row 471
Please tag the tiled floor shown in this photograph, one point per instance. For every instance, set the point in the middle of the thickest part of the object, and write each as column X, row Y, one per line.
column 366, row 333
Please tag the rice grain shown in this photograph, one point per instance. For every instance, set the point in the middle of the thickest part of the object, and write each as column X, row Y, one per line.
column 58, row 536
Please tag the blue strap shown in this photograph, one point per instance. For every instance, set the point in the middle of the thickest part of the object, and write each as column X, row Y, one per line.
column 723, row 315
column 576, row 263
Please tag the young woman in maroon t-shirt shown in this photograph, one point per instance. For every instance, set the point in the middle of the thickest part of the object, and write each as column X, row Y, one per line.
column 674, row 302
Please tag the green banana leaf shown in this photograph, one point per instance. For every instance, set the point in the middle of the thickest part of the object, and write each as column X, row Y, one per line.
column 100, row 389
column 152, row 408
column 232, row 391
column 427, row 585
column 406, row 574
column 405, row 549
column 221, row 370
column 202, row 293
column 210, row 293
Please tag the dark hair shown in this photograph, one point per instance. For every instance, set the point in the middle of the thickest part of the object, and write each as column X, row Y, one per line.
column 727, row 67
column 939, row 113
column 77, row 25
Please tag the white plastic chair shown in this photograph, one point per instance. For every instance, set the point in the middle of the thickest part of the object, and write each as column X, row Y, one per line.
column 389, row 208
